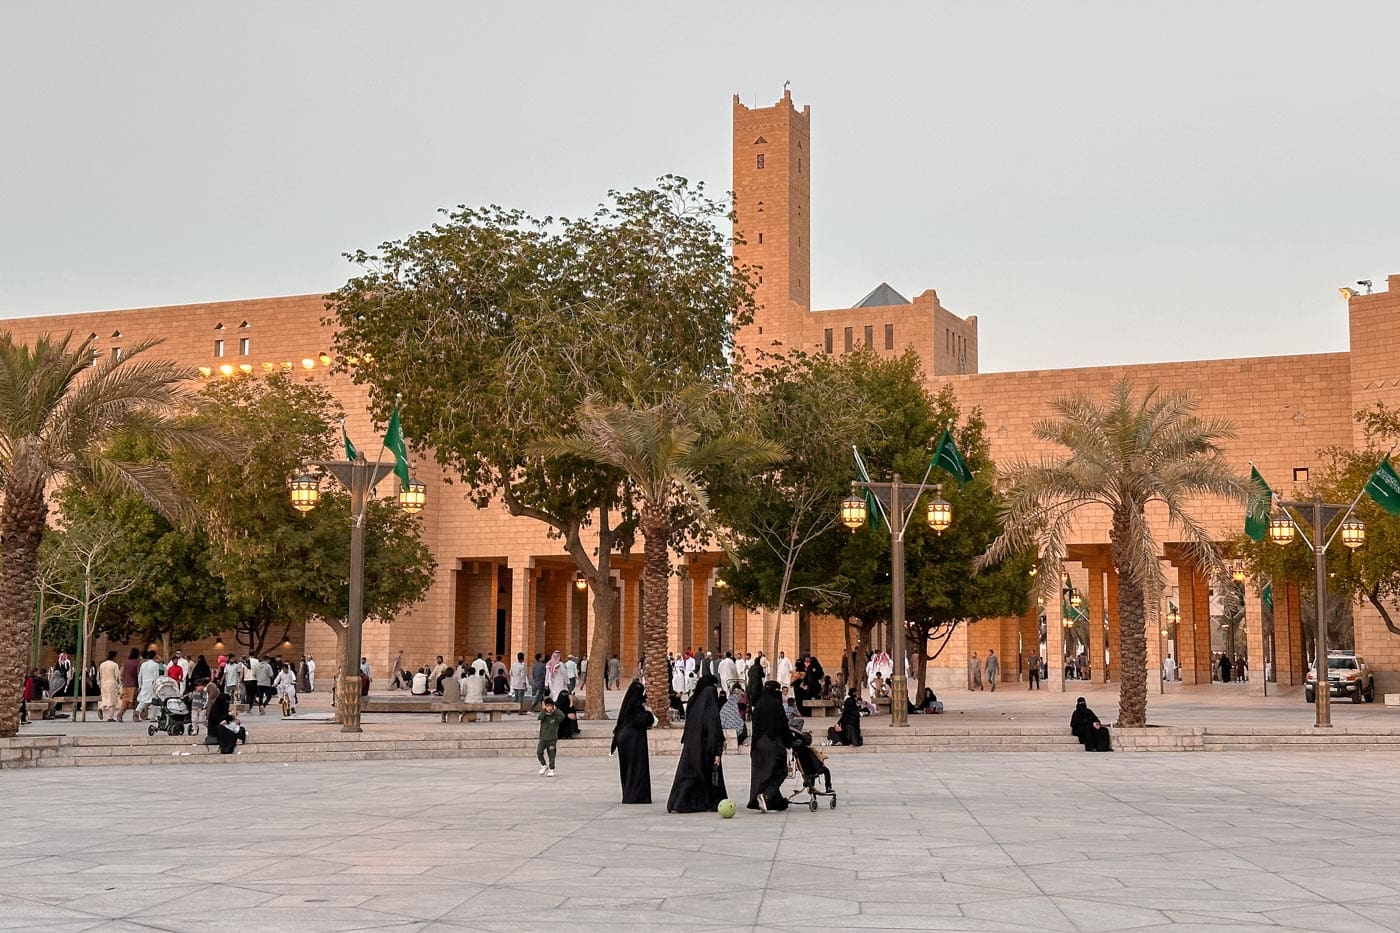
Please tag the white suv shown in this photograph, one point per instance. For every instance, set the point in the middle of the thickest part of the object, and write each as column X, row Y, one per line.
column 1347, row 675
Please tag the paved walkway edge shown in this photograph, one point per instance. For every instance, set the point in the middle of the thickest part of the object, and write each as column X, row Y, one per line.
column 325, row 744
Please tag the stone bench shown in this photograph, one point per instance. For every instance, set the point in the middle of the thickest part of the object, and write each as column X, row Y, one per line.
column 821, row 707
column 77, row 703
column 492, row 711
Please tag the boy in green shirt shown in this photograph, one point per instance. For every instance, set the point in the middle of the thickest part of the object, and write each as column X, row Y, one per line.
column 549, row 736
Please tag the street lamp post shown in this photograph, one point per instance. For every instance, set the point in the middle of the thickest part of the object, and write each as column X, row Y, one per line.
column 1281, row 531
column 359, row 477
column 940, row 516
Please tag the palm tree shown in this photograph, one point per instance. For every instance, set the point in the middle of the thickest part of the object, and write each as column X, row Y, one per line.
column 1124, row 452
column 662, row 449
column 60, row 406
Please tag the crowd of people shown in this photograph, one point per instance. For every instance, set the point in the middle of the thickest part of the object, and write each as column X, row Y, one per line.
column 130, row 685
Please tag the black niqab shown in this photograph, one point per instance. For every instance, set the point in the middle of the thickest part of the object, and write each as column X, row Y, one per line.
column 768, row 755
column 630, row 744
column 699, row 782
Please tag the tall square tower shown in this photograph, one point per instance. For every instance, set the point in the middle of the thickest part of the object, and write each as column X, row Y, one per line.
column 772, row 206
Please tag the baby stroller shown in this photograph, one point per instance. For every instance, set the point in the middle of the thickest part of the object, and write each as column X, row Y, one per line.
column 808, row 764
column 174, row 718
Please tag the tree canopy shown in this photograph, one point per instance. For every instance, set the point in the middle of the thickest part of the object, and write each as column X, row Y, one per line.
column 496, row 326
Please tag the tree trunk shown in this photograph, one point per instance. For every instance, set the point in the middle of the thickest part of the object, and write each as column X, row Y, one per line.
column 22, row 518
column 600, row 646
column 599, row 579
column 1132, row 633
column 656, row 569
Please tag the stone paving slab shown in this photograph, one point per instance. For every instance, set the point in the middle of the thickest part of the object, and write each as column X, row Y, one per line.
column 947, row 840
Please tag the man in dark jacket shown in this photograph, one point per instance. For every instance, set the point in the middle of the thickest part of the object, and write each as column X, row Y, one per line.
column 537, row 681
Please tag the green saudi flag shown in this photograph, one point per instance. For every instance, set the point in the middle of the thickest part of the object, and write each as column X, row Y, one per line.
column 351, row 453
column 872, row 511
column 1384, row 487
column 1261, row 502
column 946, row 455
column 1266, row 595
column 393, row 440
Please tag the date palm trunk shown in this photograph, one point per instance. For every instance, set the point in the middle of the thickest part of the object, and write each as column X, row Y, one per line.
column 22, row 520
column 1132, row 633
column 656, row 569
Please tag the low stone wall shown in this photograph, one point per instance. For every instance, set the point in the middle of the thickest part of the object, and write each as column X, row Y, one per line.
column 32, row 751
column 49, row 751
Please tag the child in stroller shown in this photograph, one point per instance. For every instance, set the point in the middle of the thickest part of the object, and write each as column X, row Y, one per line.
column 174, row 713
column 810, row 764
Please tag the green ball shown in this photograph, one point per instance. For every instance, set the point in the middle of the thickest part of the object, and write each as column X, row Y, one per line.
column 727, row 809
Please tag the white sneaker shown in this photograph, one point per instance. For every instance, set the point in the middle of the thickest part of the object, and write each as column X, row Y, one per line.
column 550, row 772
column 543, row 768
column 762, row 804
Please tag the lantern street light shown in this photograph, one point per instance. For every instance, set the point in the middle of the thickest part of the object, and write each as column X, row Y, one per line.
column 1237, row 572
column 854, row 513
column 359, row 477
column 1282, row 530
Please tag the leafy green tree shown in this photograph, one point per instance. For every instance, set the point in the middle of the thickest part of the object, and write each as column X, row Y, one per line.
column 663, row 450
column 941, row 593
column 60, row 408
column 178, row 597
column 811, row 407
column 281, row 568
column 1122, row 453
column 496, row 326
column 878, row 405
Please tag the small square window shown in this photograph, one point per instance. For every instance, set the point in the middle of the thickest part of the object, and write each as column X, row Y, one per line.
column 889, row 336
column 218, row 348
column 850, row 339
column 116, row 354
column 244, row 346
column 760, row 160
column 1300, row 474
column 826, row 340
column 869, row 336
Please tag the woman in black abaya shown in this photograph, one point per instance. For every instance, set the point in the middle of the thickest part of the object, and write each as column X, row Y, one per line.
column 1081, row 722
column 847, row 728
column 768, row 755
column 699, row 783
column 630, row 745
column 565, row 704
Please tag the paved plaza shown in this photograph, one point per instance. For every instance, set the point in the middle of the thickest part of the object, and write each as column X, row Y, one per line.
column 944, row 841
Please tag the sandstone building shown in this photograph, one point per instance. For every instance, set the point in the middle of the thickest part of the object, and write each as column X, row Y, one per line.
column 503, row 585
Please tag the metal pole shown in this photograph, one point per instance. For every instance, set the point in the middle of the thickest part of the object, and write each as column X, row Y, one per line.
column 1322, row 691
column 350, row 679
column 899, row 686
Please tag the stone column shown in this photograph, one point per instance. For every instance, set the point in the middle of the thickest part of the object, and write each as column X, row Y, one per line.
column 700, row 606
column 1110, row 614
column 629, row 648
column 1254, row 639
column 523, row 636
column 1094, row 593
column 1054, row 645
column 1290, row 663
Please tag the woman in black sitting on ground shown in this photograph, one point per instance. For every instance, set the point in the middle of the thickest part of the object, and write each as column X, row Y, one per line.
column 1087, row 728
column 569, row 727
column 847, row 728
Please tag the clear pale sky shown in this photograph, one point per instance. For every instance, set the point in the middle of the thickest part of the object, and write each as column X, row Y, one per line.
column 1097, row 182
